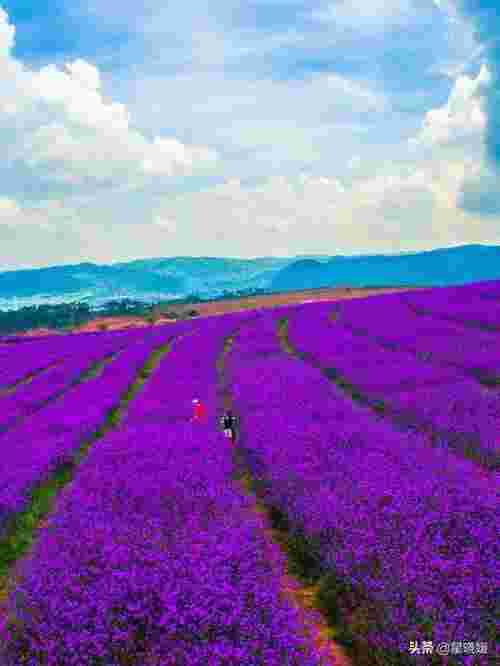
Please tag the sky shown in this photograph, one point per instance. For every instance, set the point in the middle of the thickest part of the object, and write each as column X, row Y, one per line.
column 258, row 128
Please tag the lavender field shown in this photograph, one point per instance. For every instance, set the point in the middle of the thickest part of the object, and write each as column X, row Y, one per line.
column 369, row 430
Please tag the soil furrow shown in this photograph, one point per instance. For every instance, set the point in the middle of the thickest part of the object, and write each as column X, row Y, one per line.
column 94, row 370
column 7, row 390
column 486, row 462
column 488, row 383
column 303, row 597
column 465, row 323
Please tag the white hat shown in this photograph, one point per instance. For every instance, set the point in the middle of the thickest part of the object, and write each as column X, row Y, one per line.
column 195, row 401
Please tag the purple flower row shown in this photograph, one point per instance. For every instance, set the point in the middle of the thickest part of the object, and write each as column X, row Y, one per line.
column 18, row 361
column 53, row 435
column 50, row 384
column 417, row 394
column 153, row 555
column 436, row 340
column 413, row 528
column 464, row 305
column 186, row 373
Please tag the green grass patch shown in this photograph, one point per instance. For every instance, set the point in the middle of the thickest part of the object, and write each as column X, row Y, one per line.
column 330, row 373
column 283, row 335
column 490, row 381
column 355, row 616
column 96, row 368
column 21, row 531
column 304, row 562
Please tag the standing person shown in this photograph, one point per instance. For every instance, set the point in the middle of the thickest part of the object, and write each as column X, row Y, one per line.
column 199, row 411
column 228, row 422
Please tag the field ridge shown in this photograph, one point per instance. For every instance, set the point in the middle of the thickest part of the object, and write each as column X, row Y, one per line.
column 23, row 531
column 93, row 371
column 295, row 585
column 8, row 390
column 489, row 461
column 422, row 356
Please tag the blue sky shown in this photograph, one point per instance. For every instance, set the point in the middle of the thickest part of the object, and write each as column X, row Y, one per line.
column 246, row 129
column 50, row 31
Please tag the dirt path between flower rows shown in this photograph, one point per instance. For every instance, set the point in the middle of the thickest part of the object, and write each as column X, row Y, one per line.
column 486, row 462
column 318, row 635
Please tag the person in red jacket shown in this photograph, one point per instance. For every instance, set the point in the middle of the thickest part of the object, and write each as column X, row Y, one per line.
column 199, row 411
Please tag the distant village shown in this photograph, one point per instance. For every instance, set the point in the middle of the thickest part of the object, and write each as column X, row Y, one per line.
column 78, row 315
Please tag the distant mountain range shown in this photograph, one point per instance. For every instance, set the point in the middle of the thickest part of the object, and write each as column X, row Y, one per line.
column 441, row 267
column 210, row 277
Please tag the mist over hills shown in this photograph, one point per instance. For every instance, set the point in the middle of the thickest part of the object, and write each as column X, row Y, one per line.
column 211, row 277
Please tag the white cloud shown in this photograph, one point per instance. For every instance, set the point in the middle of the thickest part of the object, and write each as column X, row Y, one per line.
column 7, row 34
column 58, row 122
column 392, row 211
column 461, row 117
column 266, row 127
column 70, row 95
column 449, row 149
column 276, row 203
column 362, row 16
column 313, row 163
column 26, row 219
column 165, row 223
column 85, row 73
column 406, row 204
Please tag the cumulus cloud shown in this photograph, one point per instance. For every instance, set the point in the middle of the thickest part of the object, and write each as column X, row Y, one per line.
column 410, row 204
column 462, row 175
column 277, row 204
column 85, row 73
column 486, row 19
column 57, row 122
column 7, row 34
column 462, row 116
column 399, row 209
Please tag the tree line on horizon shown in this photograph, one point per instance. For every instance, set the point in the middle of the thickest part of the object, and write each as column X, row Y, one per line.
column 64, row 316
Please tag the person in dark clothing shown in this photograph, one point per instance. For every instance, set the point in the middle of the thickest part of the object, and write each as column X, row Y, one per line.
column 228, row 423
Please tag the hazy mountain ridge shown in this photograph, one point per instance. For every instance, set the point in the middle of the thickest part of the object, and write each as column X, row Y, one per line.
column 209, row 277
column 441, row 267
column 148, row 279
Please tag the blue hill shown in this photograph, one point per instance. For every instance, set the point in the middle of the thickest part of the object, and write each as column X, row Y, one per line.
column 210, row 277
column 442, row 267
